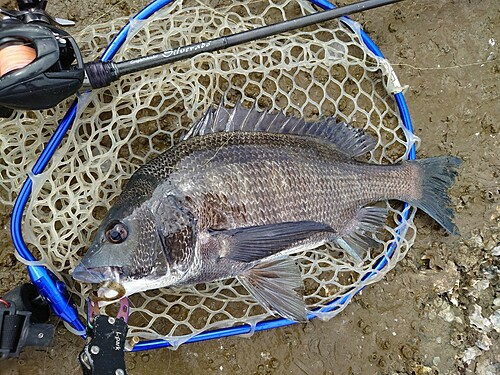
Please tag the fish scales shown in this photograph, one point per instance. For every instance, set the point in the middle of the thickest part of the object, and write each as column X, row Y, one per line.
column 271, row 178
column 245, row 188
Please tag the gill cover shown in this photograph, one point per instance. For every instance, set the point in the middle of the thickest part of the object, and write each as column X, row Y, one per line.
column 176, row 228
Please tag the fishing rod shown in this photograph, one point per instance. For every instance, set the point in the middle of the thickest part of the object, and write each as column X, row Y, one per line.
column 37, row 69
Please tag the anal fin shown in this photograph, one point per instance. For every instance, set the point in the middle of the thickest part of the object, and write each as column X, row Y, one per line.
column 367, row 221
column 276, row 285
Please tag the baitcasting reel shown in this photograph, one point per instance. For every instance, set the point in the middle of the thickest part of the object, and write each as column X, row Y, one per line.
column 36, row 59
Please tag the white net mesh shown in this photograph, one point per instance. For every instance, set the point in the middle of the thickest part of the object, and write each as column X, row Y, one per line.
column 322, row 70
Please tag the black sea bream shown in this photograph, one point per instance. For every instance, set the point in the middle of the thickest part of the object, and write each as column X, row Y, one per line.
column 245, row 188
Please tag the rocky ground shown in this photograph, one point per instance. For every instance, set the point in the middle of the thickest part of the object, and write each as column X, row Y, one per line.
column 438, row 311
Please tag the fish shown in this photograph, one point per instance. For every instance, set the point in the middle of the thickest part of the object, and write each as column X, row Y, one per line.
column 245, row 188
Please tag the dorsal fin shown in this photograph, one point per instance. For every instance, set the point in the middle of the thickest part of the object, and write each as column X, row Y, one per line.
column 347, row 139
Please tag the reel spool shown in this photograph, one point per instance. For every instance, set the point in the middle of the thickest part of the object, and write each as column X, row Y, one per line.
column 15, row 55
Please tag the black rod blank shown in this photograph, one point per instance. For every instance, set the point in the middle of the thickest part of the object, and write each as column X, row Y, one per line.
column 181, row 53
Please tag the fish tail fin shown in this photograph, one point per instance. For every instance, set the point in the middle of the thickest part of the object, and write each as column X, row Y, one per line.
column 438, row 175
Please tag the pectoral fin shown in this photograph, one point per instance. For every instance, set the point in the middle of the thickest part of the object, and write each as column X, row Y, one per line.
column 258, row 242
column 276, row 285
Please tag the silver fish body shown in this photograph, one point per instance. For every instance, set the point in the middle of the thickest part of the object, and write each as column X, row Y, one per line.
column 243, row 189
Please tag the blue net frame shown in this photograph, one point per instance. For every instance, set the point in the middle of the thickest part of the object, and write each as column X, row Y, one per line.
column 54, row 291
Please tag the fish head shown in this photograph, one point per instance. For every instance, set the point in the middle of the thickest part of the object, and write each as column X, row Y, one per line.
column 138, row 249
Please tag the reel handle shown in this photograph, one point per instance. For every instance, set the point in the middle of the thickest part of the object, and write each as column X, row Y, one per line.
column 31, row 4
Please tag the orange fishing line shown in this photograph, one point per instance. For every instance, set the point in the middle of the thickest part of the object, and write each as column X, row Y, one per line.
column 14, row 57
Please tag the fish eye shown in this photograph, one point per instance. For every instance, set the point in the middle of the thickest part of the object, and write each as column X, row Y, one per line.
column 116, row 232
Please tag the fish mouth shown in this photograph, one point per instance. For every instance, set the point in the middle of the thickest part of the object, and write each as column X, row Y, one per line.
column 109, row 291
column 108, row 278
column 96, row 275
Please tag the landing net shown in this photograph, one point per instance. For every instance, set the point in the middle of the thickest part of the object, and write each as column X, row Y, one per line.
column 323, row 70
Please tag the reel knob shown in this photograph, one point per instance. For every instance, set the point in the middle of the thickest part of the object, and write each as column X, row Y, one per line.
column 31, row 4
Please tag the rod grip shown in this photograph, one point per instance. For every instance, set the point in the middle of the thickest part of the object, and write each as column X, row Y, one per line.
column 101, row 74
